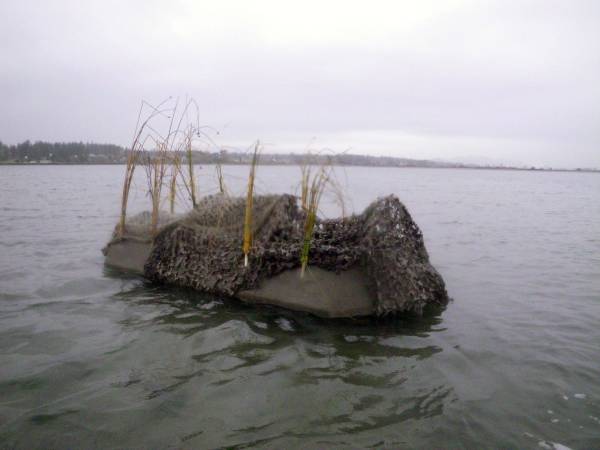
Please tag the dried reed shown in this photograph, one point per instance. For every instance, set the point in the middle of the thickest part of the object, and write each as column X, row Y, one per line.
column 317, row 187
column 305, row 169
column 175, row 169
column 156, row 169
column 219, row 170
column 137, row 147
column 190, row 167
column 249, row 198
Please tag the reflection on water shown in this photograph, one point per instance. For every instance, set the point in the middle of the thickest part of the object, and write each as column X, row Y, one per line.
column 94, row 358
column 343, row 364
column 188, row 358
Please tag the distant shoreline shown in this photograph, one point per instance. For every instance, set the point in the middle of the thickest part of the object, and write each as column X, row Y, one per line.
column 390, row 166
column 78, row 153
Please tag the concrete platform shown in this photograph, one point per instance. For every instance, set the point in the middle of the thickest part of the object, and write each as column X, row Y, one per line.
column 320, row 292
column 128, row 254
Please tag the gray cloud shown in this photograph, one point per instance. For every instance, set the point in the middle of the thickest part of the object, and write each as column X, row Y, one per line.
column 514, row 81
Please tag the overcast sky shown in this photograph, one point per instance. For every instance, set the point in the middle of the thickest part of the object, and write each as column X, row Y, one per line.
column 510, row 81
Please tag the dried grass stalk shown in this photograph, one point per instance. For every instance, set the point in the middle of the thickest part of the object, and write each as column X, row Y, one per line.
column 219, row 170
column 190, row 166
column 317, row 187
column 137, row 147
column 132, row 160
column 156, row 169
column 249, row 198
column 175, row 169
column 305, row 169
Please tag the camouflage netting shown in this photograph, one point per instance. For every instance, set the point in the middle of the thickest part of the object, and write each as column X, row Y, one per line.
column 203, row 250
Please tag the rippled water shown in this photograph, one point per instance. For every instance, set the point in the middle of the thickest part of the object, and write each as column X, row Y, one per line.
column 91, row 358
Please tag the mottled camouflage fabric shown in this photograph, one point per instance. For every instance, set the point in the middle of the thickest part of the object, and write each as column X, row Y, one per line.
column 203, row 250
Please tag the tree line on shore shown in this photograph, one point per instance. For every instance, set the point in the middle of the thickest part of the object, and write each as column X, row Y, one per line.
column 61, row 152
column 93, row 153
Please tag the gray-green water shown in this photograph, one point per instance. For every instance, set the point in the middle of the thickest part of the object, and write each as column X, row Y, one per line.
column 93, row 359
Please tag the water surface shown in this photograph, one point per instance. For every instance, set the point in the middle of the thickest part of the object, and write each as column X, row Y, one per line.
column 92, row 358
